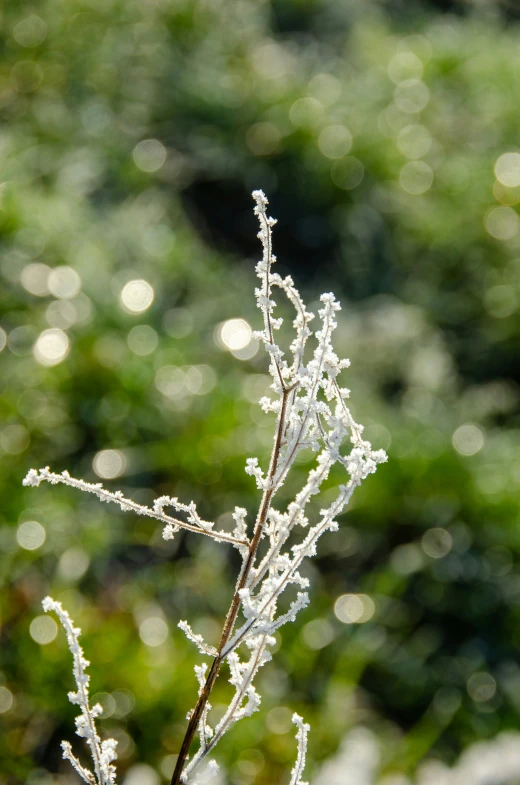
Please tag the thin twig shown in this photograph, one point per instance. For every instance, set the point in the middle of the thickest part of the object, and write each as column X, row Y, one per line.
column 35, row 478
column 235, row 603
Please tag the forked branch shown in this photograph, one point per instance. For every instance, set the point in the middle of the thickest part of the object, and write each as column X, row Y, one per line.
column 311, row 412
column 35, row 477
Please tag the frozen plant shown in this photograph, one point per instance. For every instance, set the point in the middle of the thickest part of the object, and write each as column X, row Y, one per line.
column 103, row 752
column 311, row 412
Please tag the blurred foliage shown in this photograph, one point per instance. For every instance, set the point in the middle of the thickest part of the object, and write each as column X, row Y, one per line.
column 132, row 134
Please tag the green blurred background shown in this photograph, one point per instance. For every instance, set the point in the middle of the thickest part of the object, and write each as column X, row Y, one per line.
column 386, row 137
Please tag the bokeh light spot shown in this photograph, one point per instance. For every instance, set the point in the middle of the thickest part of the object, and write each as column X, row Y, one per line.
column 354, row 608
column 149, row 155
column 436, row 543
column 43, row 630
column 30, row 32
column 326, row 87
column 73, row 564
column 411, row 96
column 305, row 112
column 170, row 381
column 506, row 195
column 137, row 296
column 416, row 177
column 14, row 439
column 468, row 439
column 248, row 351
column 481, row 687
column 335, row 141
column 317, row 634
column 234, row 334
column 200, row 379
column 125, row 702
column 501, row 301
column 502, row 222
column 404, row 66
column 6, row 700
column 347, row 172
column 278, row 720
column 30, row 535
column 34, row 279
column 109, row 464
column 414, row 141
column 52, row 347
column 141, row 774
column 507, row 169
column 61, row 314
column 21, row 340
column 153, row 631
column 64, row 282
column 142, row 340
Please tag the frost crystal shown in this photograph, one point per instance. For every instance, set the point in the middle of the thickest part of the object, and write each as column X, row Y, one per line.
column 301, row 737
column 103, row 752
column 311, row 412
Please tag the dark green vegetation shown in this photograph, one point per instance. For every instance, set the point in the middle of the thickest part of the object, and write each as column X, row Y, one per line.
column 374, row 128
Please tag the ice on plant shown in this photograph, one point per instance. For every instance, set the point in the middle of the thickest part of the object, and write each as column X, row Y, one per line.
column 311, row 412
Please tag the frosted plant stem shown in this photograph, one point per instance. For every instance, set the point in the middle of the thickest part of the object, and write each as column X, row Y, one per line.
column 35, row 477
column 103, row 752
column 268, row 258
column 301, row 737
column 310, row 413
column 233, row 707
column 235, row 603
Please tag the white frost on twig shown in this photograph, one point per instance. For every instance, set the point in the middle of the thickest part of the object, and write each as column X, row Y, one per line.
column 198, row 640
column 195, row 523
column 311, row 413
column 191, row 508
column 314, row 414
column 301, row 737
column 103, row 752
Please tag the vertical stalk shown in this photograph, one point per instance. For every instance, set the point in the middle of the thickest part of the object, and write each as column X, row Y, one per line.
column 235, row 603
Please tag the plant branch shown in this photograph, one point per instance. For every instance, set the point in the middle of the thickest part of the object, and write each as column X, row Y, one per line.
column 235, row 603
column 35, row 478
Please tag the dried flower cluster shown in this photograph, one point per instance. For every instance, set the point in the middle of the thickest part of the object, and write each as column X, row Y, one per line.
column 311, row 413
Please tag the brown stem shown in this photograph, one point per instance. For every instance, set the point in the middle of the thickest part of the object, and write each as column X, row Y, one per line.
column 235, row 603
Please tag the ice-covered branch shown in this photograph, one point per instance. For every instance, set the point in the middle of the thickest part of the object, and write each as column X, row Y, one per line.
column 272, row 588
column 311, row 412
column 191, row 508
column 301, row 737
column 242, row 675
column 295, row 515
column 103, row 752
column 198, row 640
column 278, row 366
column 196, row 524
